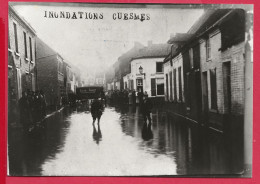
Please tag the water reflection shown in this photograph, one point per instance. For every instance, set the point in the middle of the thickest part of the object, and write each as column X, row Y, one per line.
column 147, row 133
column 72, row 145
column 97, row 135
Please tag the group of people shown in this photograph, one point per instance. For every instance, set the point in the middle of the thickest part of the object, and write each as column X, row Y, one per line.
column 125, row 96
column 32, row 108
column 130, row 97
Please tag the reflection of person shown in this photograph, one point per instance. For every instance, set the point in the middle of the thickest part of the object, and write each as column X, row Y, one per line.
column 96, row 110
column 147, row 133
column 97, row 135
column 146, row 108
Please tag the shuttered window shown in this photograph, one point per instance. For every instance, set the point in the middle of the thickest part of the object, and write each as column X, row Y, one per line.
column 153, row 87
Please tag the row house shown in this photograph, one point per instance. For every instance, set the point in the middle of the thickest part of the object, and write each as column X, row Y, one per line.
column 21, row 61
column 147, row 73
column 21, row 55
column 51, row 73
column 205, row 70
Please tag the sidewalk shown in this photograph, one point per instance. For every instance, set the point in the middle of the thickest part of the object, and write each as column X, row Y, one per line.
column 15, row 125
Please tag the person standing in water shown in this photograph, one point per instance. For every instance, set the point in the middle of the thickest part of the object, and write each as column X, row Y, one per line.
column 96, row 110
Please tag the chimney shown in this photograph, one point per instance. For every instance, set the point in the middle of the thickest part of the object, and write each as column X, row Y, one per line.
column 150, row 42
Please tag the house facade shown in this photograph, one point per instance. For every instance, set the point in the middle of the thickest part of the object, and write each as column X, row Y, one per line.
column 222, row 51
column 210, row 64
column 21, row 62
column 21, row 55
column 147, row 73
column 51, row 69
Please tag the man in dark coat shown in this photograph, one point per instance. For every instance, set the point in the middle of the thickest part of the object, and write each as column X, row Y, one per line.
column 146, row 108
column 25, row 116
column 96, row 110
column 140, row 95
column 134, row 97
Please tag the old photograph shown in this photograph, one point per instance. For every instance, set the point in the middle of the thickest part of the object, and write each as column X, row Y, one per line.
column 160, row 90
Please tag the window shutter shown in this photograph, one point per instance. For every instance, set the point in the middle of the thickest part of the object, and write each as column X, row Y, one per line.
column 153, row 87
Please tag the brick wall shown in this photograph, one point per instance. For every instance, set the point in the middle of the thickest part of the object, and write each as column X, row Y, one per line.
column 234, row 55
column 26, row 65
column 47, row 73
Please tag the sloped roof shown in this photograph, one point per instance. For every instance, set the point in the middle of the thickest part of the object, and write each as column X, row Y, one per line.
column 27, row 24
column 127, row 57
column 207, row 19
column 154, row 51
column 43, row 50
column 180, row 38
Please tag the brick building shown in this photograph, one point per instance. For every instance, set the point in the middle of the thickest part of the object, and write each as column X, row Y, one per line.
column 212, row 57
column 21, row 54
column 21, row 61
column 222, row 50
column 51, row 71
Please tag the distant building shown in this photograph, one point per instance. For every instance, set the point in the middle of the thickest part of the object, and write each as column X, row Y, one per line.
column 122, row 66
column 51, row 73
column 21, row 55
column 147, row 70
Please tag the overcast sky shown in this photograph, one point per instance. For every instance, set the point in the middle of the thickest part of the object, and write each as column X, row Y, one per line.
column 96, row 44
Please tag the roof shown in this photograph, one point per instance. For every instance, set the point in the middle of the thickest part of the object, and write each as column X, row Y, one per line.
column 43, row 50
column 209, row 19
column 11, row 9
column 153, row 51
column 180, row 38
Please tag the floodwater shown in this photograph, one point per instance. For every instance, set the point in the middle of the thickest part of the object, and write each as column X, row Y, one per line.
column 123, row 145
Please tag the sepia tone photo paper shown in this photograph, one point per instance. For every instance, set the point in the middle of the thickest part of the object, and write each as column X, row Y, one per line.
column 143, row 90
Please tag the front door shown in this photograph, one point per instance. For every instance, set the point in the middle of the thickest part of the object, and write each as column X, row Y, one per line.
column 139, row 84
column 205, row 96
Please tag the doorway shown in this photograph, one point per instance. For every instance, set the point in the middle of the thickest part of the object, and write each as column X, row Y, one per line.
column 205, row 91
column 227, row 86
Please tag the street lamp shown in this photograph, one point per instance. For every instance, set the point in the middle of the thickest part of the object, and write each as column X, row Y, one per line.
column 141, row 71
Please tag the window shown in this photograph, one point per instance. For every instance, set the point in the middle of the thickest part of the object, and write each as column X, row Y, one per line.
column 159, row 67
column 213, row 88
column 139, row 82
column 180, row 83
column 191, row 58
column 208, row 49
column 30, row 42
column 60, row 66
column 25, row 44
column 16, row 39
column 160, row 86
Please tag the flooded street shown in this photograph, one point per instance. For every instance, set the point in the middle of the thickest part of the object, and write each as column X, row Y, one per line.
column 122, row 145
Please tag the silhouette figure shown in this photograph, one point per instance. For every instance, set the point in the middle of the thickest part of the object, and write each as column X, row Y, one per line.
column 96, row 110
column 147, row 133
column 97, row 135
